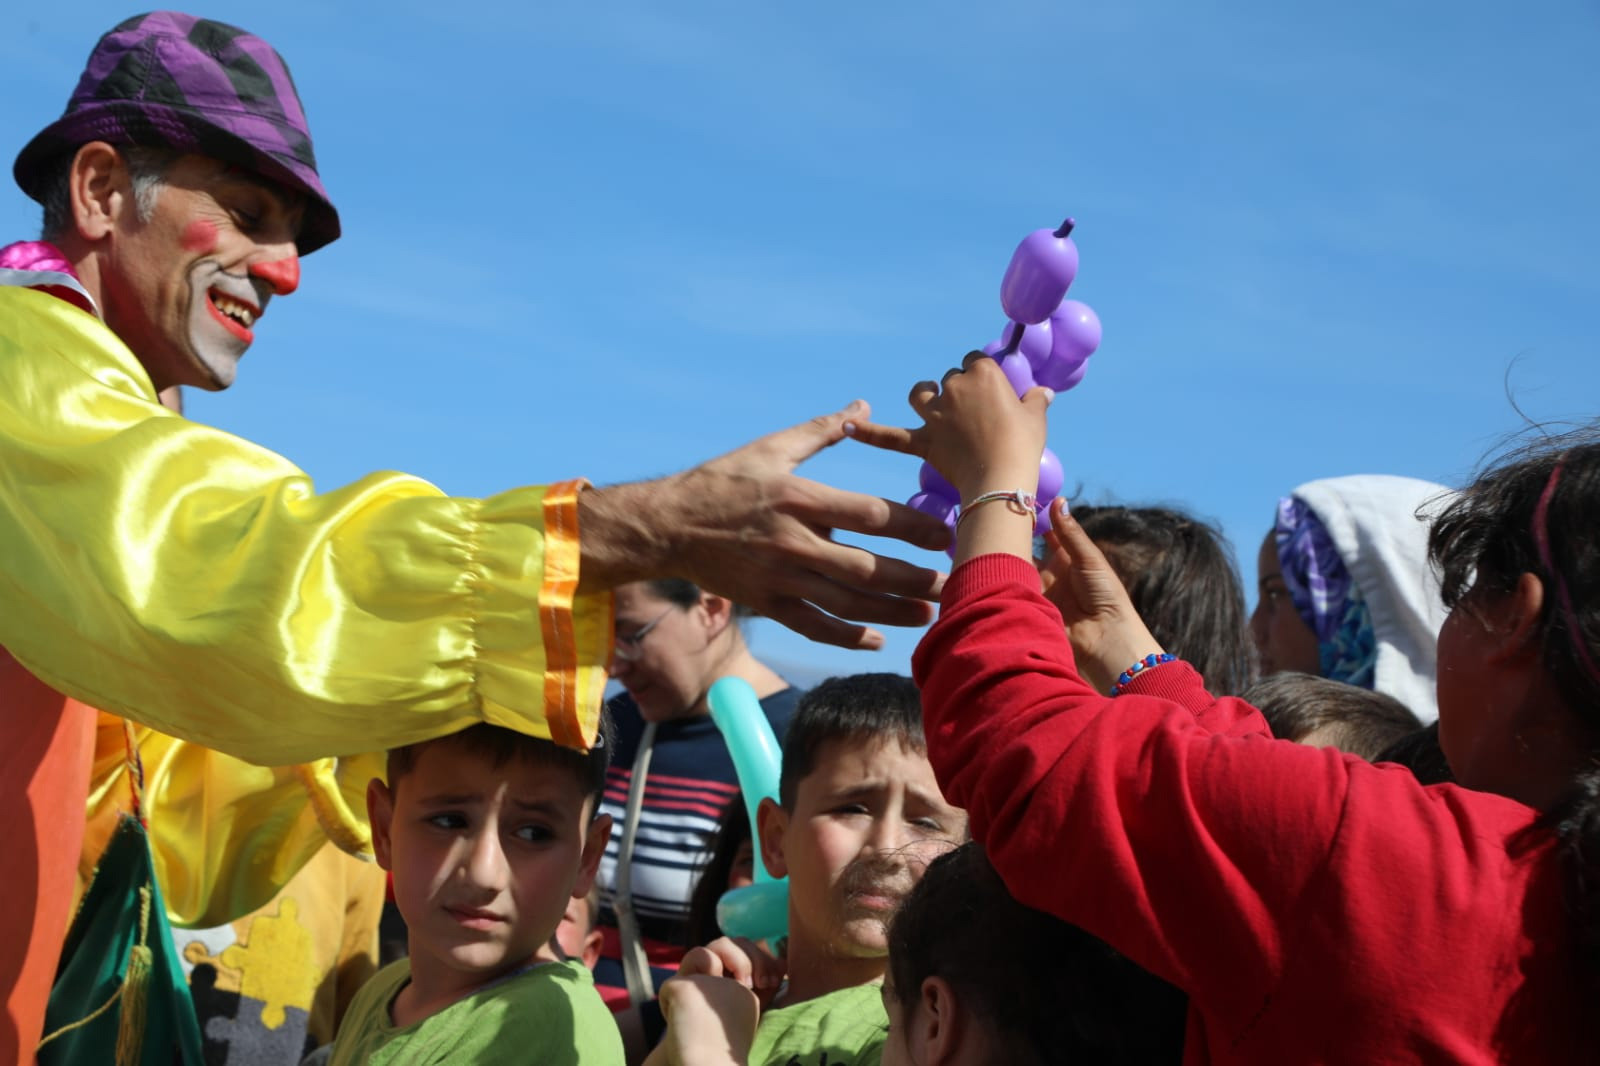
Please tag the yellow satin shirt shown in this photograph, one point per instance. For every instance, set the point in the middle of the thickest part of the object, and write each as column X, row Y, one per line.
column 225, row 836
column 196, row 583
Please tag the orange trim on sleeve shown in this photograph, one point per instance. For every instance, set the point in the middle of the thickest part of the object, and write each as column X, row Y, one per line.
column 560, row 585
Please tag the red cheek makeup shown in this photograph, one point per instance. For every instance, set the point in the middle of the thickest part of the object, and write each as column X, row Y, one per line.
column 199, row 237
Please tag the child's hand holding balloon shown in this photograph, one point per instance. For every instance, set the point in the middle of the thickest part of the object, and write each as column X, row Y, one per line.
column 978, row 433
column 984, row 441
column 1047, row 340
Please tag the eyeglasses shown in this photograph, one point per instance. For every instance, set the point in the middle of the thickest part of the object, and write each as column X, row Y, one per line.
column 627, row 647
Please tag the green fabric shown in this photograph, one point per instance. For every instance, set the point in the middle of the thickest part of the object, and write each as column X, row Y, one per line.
column 95, row 958
column 549, row 1014
column 843, row 1028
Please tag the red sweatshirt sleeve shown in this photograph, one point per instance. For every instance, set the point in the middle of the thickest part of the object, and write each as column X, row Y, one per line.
column 1164, row 821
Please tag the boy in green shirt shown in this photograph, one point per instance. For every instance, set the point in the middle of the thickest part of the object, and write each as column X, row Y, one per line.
column 488, row 834
column 858, row 819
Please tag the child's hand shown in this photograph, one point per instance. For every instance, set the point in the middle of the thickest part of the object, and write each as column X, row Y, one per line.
column 975, row 432
column 711, row 1021
column 1107, row 634
column 745, row 961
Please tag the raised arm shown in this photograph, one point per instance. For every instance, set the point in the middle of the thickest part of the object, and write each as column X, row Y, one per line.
column 179, row 576
column 1137, row 817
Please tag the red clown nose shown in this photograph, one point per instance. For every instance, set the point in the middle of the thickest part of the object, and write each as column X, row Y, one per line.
column 282, row 274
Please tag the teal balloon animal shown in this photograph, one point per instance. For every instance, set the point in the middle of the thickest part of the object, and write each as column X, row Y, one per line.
column 759, row 911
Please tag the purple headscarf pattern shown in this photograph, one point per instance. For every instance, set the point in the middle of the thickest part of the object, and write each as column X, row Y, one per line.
column 1326, row 597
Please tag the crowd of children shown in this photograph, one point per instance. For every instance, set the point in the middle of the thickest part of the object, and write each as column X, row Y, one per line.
column 1158, row 867
column 1092, row 829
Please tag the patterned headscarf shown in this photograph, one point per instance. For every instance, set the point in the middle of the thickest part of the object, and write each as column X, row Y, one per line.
column 1328, row 600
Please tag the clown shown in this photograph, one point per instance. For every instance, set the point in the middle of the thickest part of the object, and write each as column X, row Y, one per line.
column 177, row 576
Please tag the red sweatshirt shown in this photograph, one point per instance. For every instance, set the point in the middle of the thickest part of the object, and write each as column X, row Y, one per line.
column 1316, row 908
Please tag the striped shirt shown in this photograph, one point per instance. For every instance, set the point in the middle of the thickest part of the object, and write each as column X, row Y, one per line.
column 691, row 781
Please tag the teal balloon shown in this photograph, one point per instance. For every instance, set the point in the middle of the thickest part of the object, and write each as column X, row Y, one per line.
column 757, row 912
column 757, row 760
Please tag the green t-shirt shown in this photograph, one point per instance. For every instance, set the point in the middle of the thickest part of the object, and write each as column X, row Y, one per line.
column 549, row 1013
column 843, row 1028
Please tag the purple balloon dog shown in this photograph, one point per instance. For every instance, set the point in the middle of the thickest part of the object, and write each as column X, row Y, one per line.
column 1047, row 341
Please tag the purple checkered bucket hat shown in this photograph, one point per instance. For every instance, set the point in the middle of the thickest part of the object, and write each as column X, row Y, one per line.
column 170, row 80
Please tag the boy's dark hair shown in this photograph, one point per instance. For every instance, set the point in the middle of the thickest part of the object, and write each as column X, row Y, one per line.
column 858, row 707
column 1420, row 753
column 1045, row 990
column 1181, row 576
column 500, row 745
column 1353, row 719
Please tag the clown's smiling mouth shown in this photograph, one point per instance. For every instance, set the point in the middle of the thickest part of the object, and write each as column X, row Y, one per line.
column 234, row 308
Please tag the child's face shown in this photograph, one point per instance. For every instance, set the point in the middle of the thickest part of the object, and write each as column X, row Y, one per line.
column 866, row 822
column 743, row 870
column 1476, row 729
column 576, row 934
column 1282, row 637
column 485, row 859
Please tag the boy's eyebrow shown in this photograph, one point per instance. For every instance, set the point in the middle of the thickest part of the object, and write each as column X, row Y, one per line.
column 464, row 799
column 864, row 789
column 931, row 798
column 860, row 788
column 451, row 799
column 550, row 807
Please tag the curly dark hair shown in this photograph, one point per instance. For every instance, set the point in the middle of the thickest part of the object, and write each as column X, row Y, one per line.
column 1533, row 511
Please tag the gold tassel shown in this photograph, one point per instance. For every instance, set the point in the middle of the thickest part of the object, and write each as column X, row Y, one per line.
column 135, row 991
column 340, row 824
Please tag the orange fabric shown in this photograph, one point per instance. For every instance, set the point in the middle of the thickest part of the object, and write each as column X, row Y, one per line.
column 46, row 746
column 108, row 759
column 555, row 615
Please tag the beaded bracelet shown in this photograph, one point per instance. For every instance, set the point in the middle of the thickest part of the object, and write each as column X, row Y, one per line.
column 1127, row 676
column 1021, row 502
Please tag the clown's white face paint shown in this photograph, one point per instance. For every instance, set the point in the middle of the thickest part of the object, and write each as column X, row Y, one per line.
column 185, row 288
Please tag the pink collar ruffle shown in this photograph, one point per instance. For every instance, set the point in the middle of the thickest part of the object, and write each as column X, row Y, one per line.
column 40, row 265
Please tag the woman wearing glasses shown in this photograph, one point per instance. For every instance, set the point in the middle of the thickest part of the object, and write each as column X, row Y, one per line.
column 672, row 642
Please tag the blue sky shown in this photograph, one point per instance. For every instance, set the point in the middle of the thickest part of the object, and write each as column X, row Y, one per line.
column 613, row 240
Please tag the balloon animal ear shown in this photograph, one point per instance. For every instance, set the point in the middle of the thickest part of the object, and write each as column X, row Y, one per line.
column 1041, row 271
column 1046, row 342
